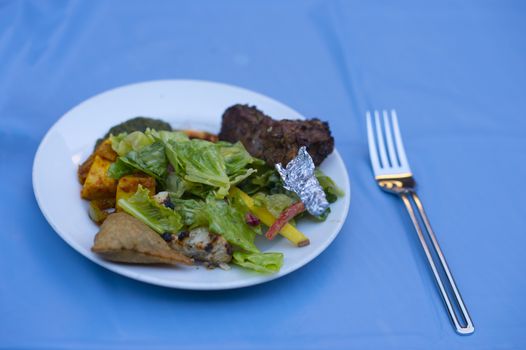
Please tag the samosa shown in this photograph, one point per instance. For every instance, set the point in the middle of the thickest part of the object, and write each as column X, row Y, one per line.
column 123, row 238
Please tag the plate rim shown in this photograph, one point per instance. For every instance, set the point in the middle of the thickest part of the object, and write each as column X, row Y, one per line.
column 121, row 268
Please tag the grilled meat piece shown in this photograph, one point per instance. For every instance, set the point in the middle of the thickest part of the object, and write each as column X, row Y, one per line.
column 202, row 245
column 275, row 141
column 211, row 249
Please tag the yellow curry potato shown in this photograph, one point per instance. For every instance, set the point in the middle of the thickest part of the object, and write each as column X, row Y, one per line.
column 83, row 170
column 128, row 185
column 104, row 151
column 104, row 203
column 99, row 209
column 96, row 213
column 98, row 184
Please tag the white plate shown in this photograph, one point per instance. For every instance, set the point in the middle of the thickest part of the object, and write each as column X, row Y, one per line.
column 186, row 104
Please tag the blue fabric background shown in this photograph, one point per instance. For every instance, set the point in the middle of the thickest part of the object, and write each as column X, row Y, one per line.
column 454, row 70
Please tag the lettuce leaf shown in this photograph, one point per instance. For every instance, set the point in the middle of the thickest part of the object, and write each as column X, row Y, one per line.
column 199, row 190
column 191, row 210
column 241, row 175
column 135, row 141
column 150, row 160
column 260, row 262
column 175, row 185
column 157, row 216
column 119, row 169
column 124, row 142
column 274, row 203
column 199, row 161
column 331, row 190
column 165, row 136
column 222, row 218
column 238, row 204
column 265, row 180
column 235, row 156
column 230, row 223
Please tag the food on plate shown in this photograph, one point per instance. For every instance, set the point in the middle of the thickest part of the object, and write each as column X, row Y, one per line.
column 263, row 213
column 129, row 184
column 99, row 209
column 135, row 124
column 299, row 177
column 98, row 183
column 199, row 243
column 123, row 238
column 285, row 216
column 275, row 141
column 104, row 151
column 159, row 192
column 263, row 262
column 202, row 135
column 204, row 246
column 82, row 172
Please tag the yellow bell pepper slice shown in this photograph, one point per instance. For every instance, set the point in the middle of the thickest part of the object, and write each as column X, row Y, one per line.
column 288, row 231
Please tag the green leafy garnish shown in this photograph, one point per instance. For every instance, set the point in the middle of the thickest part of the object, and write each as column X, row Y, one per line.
column 124, row 143
column 200, row 162
column 331, row 190
column 175, row 185
column 166, row 136
column 120, row 168
column 158, row 217
column 260, row 262
column 230, row 223
column 235, row 156
column 192, row 211
column 150, row 159
column 275, row 203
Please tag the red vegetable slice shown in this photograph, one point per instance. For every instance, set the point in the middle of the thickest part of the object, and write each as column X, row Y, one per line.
column 284, row 218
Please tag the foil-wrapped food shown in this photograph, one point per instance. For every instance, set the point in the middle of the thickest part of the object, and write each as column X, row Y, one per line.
column 298, row 176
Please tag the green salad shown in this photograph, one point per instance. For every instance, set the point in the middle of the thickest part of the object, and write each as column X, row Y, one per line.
column 216, row 185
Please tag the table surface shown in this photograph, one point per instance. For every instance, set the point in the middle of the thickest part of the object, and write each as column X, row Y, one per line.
column 454, row 70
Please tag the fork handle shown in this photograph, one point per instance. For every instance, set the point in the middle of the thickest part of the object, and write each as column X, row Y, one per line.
column 464, row 326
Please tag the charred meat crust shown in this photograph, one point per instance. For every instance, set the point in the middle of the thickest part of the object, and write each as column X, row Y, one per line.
column 275, row 141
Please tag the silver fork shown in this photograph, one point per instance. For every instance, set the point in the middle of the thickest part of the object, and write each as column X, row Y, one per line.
column 393, row 175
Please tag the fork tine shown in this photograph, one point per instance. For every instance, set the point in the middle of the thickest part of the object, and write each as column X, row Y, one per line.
column 398, row 140
column 373, row 154
column 380, row 140
column 389, row 139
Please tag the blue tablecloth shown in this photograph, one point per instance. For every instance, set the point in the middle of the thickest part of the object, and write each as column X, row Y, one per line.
column 454, row 70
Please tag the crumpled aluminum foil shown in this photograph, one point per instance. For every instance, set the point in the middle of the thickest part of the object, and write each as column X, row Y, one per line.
column 299, row 177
